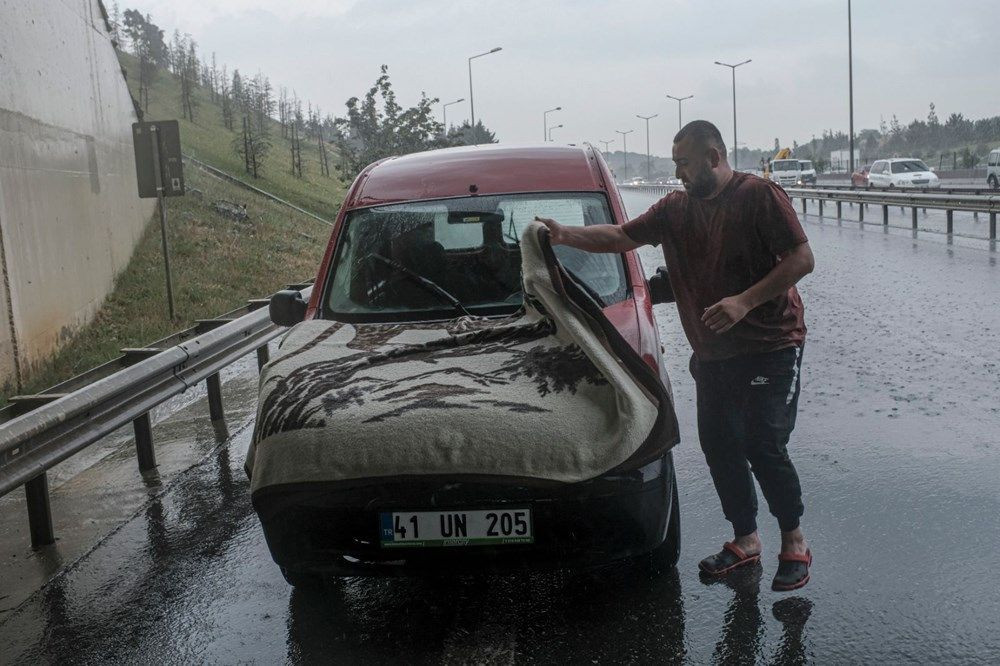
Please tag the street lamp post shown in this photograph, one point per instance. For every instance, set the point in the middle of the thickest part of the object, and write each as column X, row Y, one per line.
column 545, row 122
column 444, row 109
column 733, row 68
column 548, row 132
column 850, row 83
column 472, row 103
column 679, row 100
column 606, row 144
column 624, row 151
column 647, row 119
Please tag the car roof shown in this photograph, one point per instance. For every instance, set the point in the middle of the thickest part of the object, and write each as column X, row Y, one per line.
column 485, row 169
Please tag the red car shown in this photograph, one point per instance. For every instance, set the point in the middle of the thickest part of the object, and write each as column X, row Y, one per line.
column 860, row 177
column 433, row 239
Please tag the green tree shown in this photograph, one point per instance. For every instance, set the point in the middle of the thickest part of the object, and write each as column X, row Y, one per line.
column 465, row 135
column 377, row 127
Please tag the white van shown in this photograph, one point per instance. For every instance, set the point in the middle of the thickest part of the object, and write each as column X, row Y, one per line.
column 993, row 169
column 807, row 173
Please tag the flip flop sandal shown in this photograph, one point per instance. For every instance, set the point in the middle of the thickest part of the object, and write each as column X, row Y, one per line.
column 793, row 571
column 730, row 557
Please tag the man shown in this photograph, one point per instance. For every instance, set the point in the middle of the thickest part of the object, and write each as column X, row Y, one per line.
column 734, row 250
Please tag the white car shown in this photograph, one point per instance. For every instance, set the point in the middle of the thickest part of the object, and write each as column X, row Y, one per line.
column 902, row 172
column 993, row 170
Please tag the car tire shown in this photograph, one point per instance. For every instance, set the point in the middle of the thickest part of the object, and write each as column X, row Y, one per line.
column 302, row 580
column 994, row 183
column 665, row 556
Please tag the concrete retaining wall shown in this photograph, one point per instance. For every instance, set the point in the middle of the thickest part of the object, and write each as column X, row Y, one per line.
column 69, row 214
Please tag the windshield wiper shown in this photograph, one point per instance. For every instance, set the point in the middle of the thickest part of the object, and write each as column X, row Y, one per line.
column 428, row 285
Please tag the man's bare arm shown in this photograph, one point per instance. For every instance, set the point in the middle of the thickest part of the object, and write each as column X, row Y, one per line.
column 794, row 265
column 595, row 238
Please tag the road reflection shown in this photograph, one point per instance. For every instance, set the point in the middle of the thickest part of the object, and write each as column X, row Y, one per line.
column 626, row 614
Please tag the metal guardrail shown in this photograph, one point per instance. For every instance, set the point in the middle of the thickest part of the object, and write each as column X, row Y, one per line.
column 949, row 203
column 915, row 200
column 921, row 190
column 73, row 415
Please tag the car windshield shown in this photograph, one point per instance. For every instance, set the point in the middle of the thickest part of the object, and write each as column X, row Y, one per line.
column 909, row 166
column 414, row 260
column 785, row 165
column 806, row 165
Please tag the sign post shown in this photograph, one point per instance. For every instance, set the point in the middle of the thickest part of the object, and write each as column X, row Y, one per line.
column 159, row 174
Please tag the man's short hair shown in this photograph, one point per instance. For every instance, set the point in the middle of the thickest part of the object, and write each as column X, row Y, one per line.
column 703, row 133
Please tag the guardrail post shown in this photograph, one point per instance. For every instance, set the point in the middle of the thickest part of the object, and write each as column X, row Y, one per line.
column 993, row 226
column 820, row 207
column 215, row 410
column 144, row 442
column 951, row 222
column 804, row 211
column 39, row 511
column 975, row 216
column 263, row 356
column 839, row 209
column 914, row 218
column 861, row 214
column 885, row 216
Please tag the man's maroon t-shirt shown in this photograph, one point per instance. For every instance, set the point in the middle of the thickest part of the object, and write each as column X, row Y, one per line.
column 719, row 247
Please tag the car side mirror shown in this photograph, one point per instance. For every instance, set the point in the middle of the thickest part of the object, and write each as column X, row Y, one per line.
column 287, row 307
column 660, row 290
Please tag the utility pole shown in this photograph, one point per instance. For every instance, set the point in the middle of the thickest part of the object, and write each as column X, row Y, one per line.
column 606, row 144
column 647, row 119
column 472, row 104
column 624, row 151
column 548, row 132
column 545, row 122
column 733, row 68
column 680, row 123
column 850, row 83
column 444, row 110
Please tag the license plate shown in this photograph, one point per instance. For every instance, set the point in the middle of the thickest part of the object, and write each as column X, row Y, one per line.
column 490, row 527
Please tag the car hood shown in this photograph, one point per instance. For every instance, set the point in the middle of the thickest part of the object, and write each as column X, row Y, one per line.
column 554, row 393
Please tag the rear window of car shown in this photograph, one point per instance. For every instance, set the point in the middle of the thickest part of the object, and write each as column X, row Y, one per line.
column 467, row 248
column 785, row 165
column 909, row 166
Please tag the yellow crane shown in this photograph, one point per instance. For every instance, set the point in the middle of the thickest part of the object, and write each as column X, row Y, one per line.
column 783, row 154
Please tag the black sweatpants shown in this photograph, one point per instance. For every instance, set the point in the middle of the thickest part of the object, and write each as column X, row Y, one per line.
column 746, row 413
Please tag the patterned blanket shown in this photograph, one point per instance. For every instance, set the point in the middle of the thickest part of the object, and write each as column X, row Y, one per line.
column 551, row 393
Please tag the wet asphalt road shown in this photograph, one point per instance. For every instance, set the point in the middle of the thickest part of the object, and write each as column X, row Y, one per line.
column 897, row 445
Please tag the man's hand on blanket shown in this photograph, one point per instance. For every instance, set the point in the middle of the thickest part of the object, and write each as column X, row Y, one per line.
column 555, row 229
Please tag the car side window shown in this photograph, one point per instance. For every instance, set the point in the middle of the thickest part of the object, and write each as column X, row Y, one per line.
column 994, row 159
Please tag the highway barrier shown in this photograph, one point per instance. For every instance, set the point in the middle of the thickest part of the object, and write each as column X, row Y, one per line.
column 39, row 431
column 947, row 201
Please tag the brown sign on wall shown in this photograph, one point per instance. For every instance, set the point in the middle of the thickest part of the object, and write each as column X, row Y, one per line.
column 168, row 147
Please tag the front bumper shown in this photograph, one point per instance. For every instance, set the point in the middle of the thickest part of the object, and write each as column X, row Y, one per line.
column 332, row 528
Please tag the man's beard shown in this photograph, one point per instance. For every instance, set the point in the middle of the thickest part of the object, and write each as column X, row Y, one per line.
column 702, row 185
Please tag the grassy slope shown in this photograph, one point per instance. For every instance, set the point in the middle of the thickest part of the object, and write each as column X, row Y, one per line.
column 208, row 140
column 217, row 263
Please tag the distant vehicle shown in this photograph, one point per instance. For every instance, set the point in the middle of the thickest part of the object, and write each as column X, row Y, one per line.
column 993, row 169
column 860, row 176
column 787, row 172
column 807, row 174
column 902, row 172
column 768, row 166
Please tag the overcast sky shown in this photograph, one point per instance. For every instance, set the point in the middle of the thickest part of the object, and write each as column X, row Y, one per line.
column 605, row 62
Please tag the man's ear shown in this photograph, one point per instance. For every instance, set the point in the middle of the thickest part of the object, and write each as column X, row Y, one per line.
column 714, row 157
